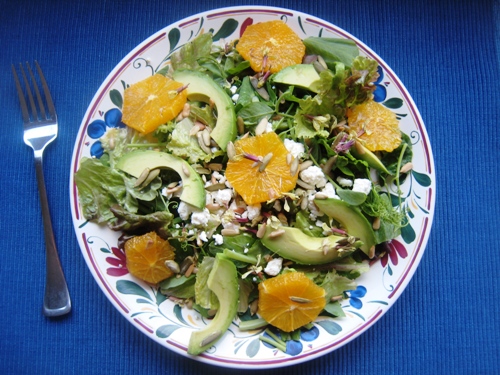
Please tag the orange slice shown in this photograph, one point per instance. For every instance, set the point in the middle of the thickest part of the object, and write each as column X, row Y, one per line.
column 377, row 125
column 258, row 181
column 151, row 102
column 146, row 255
column 270, row 46
column 290, row 300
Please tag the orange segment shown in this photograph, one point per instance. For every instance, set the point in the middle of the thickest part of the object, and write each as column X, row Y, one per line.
column 270, row 46
column 151, row 102
column 378, row 126
column 254, row 183
column 290, row 300
column 146, row 255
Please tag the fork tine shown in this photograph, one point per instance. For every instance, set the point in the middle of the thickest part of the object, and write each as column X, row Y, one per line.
column 34, row 112
column 48, row 97
column 37, row 92
column 24, row 106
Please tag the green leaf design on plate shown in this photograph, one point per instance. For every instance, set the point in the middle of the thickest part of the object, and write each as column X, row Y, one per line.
column 165, row 331
column 253, row 348
column 331, row 327
column 227, row 28
column 174, row 36
column 116, row 98
column 423, row 179
column 394, row 103
column 129, row 287
column 178, row 314
column 408, row 233
column 104, row 250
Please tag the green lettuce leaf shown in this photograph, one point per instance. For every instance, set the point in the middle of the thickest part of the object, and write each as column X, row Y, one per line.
column 99, row 188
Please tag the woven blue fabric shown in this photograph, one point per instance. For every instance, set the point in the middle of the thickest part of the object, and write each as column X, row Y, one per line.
column 447, row 55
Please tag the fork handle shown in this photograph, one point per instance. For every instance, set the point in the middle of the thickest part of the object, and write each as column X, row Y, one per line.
column 56, row 300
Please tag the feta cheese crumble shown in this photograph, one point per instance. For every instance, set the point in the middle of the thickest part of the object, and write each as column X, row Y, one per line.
column 274, row 267
column 313, row 175
column 362, row 185
column 294, row 148
column 218, row 239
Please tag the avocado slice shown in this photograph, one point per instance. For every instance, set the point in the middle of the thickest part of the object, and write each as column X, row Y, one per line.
column 300, row 75
column 351, row 219
column 200, row 87
column 301, row 248
column 193, row 190
column 362, row 153
column 223, row 281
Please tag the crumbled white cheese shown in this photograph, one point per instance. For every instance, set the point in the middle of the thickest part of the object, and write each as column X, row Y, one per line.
column 313, row 175
column 253, row 211
column 235, row 97
column 203, row 236
column 184, row 210
column 329, row 191
column 273, row 267
column 219, row 240
column 345, row 182
column 233, row 89
column 362, row 185
column 200, row 218
column 223, row 196
column 294, row 148
column 269, row 127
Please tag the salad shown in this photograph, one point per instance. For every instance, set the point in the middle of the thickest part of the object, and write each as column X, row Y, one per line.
column 263, row 194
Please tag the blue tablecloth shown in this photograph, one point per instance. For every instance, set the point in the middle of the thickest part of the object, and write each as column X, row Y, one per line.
column 445, row 52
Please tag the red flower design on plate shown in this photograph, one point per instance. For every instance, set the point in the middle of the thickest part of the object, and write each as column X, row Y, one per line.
column 395, row 250
column 118, row 262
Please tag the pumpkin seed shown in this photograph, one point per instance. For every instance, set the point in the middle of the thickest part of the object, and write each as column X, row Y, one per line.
column 300, row 299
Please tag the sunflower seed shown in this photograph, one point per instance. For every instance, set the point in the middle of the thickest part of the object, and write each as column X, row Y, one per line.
column 276, row 233
column 262, row 230
column 265, row 162
column 142, row 177
column 329, row 164
column 201, row 143
column 210, row 338
column 231, row 151
column 294, row 166
column 151, row 176
column 300, row 299
column 230, row 232
column 215, row 187
column 336, row 298
column 282, row 218
column 406, row 168
column 320, row 196
column 376, row 223
column 173, row 266
column 305, row 185
column 197, row 127
column 261, row 126
column 206, row 137
column 305, row 165
column 289, row 158
column 304, row 202
column 190, row 270
column 215, row 166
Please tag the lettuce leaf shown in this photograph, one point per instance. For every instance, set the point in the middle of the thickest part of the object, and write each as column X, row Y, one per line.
column 99, row 188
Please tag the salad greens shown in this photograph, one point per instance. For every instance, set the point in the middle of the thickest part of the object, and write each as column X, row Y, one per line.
column 314, row 129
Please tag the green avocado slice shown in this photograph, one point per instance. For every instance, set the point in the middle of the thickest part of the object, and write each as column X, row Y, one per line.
column 223, row 281
column 351, row 219
column 193, row 190
column 200, row 87
column 295, row 245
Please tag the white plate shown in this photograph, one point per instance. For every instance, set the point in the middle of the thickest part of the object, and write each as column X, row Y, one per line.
column 166, row 323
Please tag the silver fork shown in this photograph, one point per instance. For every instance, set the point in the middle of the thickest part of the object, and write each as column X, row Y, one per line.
column 39, row 130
